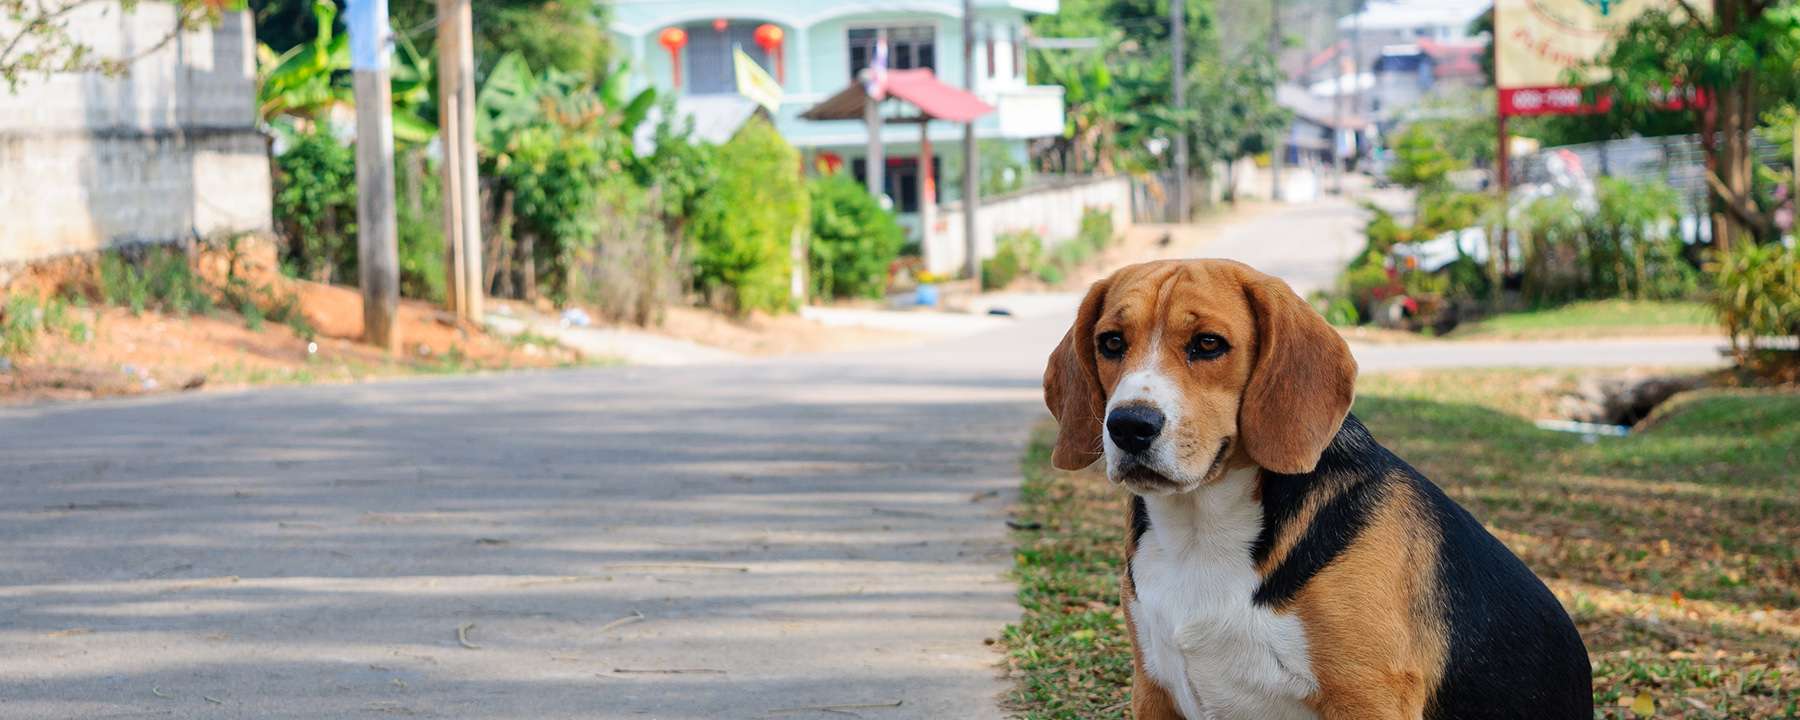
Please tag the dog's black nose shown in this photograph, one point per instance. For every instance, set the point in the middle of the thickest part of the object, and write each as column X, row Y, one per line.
column 1134, row 427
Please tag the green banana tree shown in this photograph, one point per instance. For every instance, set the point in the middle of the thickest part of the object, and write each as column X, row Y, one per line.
column 310, row 79
column 513, row 98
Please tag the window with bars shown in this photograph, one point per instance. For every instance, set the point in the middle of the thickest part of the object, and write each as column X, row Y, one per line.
column 710, row 69
column 908, row 48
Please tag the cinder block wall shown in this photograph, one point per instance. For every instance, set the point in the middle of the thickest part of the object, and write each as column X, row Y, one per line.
column 168, row 152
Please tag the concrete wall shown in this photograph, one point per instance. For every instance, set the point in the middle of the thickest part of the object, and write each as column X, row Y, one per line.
column 170, row 151
column 1054, row 211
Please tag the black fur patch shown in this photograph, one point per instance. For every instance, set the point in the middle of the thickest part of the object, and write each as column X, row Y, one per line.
column 1140, row 524
column 1344, row 469
column 1514, row 654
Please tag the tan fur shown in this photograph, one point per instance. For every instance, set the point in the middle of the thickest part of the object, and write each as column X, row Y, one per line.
column 1377, row 646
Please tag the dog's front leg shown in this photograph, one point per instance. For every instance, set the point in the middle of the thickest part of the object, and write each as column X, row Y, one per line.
column 1150, row 701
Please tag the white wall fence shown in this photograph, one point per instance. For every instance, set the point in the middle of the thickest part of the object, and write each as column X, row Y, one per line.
column 170, row 151
column 1052, row 210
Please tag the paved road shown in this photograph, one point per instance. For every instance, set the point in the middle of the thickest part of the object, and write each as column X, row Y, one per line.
column 795, row 532
column 805, row 532
column 1306, row 245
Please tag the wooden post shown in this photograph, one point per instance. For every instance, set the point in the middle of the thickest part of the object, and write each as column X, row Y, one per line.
column 1278, row 154
column 927, row 189
column 1503, row 178
column 456, row 131
column 377, row 238
column 971, row 157
column 875, row 165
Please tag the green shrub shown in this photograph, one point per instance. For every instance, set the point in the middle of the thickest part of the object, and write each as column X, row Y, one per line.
column 1368, row 282
column 1756, row 293
column 1626, row 246
column 152, row 277
column 628, row 272
column 1097, row 228
column 1342, row 313
column 1633, row 250
column 1057, row 262
column 742, row 227
column 853, row 239
column 421, row 257
column 315, row 205
column 1015, row 253
column 21, row 322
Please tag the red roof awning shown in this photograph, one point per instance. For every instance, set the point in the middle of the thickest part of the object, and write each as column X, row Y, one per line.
column 920, row 87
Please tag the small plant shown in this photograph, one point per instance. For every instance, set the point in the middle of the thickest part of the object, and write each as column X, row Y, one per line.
column 21, row 322
column 421, row 258
column 152, row 277
column 25, row 319
column 1096, row 235
column 1016, row 253
column 1756, row 293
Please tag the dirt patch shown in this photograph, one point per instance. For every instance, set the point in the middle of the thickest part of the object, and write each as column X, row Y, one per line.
column 112, row 351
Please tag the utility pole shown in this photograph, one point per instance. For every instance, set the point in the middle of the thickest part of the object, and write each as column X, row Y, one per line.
column 971, row 171
column 1279, row 154
column 875, row 164
column 377, row 240
column 1356, row 99
column 456, row 130
column 1178, row 78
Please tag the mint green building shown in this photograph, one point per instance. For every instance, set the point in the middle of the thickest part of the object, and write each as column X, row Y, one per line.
column 823, row 44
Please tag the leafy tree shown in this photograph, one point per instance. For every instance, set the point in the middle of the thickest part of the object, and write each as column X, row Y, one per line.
column 1735, row 58
column 853, row 239
column 1233, row 109
column 1421, row 161
column 743, row 226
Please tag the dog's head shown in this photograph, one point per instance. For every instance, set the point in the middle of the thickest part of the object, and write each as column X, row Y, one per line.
column 1177, row 371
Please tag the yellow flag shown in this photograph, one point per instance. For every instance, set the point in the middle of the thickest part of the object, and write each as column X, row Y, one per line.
column 753, row 82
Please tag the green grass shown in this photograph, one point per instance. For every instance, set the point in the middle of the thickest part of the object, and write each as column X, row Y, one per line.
column 1597, row 318
column 1677, row 550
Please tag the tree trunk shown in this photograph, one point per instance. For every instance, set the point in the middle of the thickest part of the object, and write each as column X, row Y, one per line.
column 527, row 252
column 499, row 270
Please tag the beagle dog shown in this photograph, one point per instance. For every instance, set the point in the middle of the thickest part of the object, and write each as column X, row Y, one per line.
column 1281, row 563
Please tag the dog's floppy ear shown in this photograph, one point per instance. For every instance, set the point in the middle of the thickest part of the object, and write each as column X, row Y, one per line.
column 1072, row 388
column 1302, row 385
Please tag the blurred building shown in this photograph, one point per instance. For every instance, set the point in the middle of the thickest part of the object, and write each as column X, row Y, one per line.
column 1392, row 54
column 823, row 45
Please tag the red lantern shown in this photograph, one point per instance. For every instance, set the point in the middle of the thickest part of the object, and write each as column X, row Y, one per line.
column 674, row 39
column 768, row 37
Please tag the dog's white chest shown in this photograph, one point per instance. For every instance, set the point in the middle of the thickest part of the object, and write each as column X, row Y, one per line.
column 1222, row 657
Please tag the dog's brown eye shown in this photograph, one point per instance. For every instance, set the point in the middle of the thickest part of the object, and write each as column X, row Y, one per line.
column 1112, row 345
column 1206, row 346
